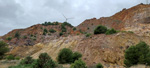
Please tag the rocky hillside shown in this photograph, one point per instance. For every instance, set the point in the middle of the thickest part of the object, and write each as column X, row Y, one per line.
column 107, row 49
column 134, row 19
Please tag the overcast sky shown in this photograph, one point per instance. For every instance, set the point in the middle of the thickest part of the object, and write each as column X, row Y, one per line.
column 15, row 14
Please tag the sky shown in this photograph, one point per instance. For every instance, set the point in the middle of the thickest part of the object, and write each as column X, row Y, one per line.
column 17, row 14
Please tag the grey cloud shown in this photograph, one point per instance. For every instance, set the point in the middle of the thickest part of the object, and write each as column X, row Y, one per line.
column 24, row 13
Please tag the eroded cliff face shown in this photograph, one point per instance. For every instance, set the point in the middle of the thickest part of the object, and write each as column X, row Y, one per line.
column 107, row 49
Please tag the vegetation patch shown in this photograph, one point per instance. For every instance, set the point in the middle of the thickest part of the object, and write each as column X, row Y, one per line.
column 52, row 30
column 138, row 54
column 3, row 49
column 103, row 30
column 9, row 38
column 49, row 23
column 67, row 56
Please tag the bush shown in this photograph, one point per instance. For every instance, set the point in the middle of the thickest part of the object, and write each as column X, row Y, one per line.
column 52, row 30
column 45, row 30
column 9, row 38
column 3, row 49
column 10, row 57
column 61, row 33
column 63, row 28
column 100, row 29
column 25, row 37
column 65, row 56
column 139, row 54
column 131, row 32
column 17, row 35
column 78, row 64
column 74, row 28
column 76, row 56
column 27, row 60
column 44, row 61
column 99, row 65
column 21, row 66
column 110, row 31
column 67, row 24
column 49, row 23
column 88, row 35
column 56, row 23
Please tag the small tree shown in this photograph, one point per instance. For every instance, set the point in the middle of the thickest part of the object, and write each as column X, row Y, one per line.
column 3, row 49
column 76, row 56
column 10, row 57
column 110, row 31
column 52, row 30
column 44, row 61
column 27, row 60
column 9, row 38
column 74, row 28
column 65, row 56
column 78, row 64
column 139, row 54
column 45, row 30
column 100, row 29
column 61, row 33
column 88, row 34
column 99, row 65
column 17, row 35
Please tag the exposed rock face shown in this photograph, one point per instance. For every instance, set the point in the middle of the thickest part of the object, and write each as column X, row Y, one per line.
column 107, row 49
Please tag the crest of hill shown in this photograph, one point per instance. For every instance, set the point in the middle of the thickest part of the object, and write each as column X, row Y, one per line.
column 127, row 19
column 38, row 33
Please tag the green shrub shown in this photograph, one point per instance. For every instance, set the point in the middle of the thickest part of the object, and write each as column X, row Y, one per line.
column 9, row 38
column 44, row 33
column 45, row 30
column 31, row 35
column 99, row 65
column 88, row 35
column 3, row 49
column 17, row 35
column 44, row 61
column 27, row 60
column 52, row 30
column 110, row 31
column 74, row 28
column 131, row 32
column 139, row 54
column 78, row 64
column 100, row 29
column 67, row 24
column 76, row 56
column 56, row 23
column 61, row 33
column 17, row 58
column 65, row 56
column 10, row 57
column 21, row 66
column 63, row 28
column 25, row 37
